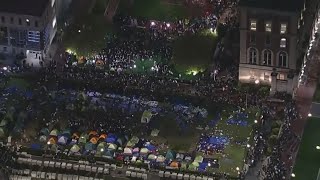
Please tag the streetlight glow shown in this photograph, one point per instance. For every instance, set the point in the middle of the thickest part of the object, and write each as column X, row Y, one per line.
column 318, row 147
column 293, row 175
column 257, row 81
column 309, row 115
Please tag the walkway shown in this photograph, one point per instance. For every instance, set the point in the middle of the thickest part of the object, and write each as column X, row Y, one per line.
column 111, row 9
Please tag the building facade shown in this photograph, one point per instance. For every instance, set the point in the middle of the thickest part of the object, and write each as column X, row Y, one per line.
column 268, row 44
column 27, row 27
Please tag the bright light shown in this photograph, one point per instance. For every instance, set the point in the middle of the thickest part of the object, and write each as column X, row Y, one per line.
column 94, row 61
column 5, row 68
column 257, row 81
column 102, row 150
column 237, row 168
column 48, row 142
column 256, row 121
column 153, row 23
column 134, row 66
column 248, row 146
column 209, row 164
column 54, row 22
column 79, row 31
column 211, row 29
column 27, row 20
column 152, row 68
column 293, row 175
column 168, row 24
column 309, row 115
column 318, row 147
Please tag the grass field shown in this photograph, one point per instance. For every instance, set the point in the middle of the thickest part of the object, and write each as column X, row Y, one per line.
column 193, row 53
column 153, row 9
column 308, row 160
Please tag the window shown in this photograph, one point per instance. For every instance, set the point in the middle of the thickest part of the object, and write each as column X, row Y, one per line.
column 11, row 20
column 281, row 76
column 266, row 76
column 283, row 28
column 267, row 57
column 283, row 42
column 282, row 61
column 253, row 56
column 20, row 22
column 253, row 25
column 3, row 20
column 36, row 24
column 268, row 26
column 268, row 39
column 252, row 38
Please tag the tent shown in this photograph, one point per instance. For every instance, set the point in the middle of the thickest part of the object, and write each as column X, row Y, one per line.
column 62, row 140
column 2, row 133
column 174, row 164
column 183, row 165
column 54, row 132
column 54, row 148
column 3, row 123
column 152, row 157
column 101, row 147
column 170, row 155
column 194, row 166
column 155, row 132
column 198, row 159
column 121, row 141
column 94, row 140
column 93, row 133
column 144, row 151
column 75, row 135
column 146, row 116
column 112, row 138
column 133, row 141
column 89, row 147
column 66, row 132
column 75, row 148
column 136, row 150
column 73, row 141
column 44, row 131
column 112, row 146
column 83, row 138
column 43, row 138
column 109, row 153
column 161, row 158
column 180, row 156
column 103, row 136
column 151, row 147
column 52, row 140
column 36, row 146
column 127, row 151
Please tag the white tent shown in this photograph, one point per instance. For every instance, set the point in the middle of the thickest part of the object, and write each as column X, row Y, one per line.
column 144, row 151
column 127, row 151
column 62, row 140
column 161, row 158
column 75, row 148
column 112, row 146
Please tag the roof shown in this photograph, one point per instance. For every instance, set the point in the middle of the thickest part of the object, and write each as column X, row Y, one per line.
column 24, row 7
column 281, row 5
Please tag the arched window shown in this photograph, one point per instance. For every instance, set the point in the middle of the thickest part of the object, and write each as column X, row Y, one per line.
column 253, row 55
column 282, row 59
column 267, row 57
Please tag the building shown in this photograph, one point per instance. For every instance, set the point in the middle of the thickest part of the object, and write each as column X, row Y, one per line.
column 28, row 27
column 269, row 34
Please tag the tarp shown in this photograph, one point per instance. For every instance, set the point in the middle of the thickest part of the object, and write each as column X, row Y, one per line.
column 127, row 151
column 75, row 148
column 62, row 140
column 146, row 116
column 112, row 146
column 54, row 132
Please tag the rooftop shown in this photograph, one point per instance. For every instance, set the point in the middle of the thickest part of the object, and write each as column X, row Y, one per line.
column 281, row 5
column 24, row 7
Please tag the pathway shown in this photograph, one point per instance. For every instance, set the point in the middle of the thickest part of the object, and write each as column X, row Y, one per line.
column 111, row 9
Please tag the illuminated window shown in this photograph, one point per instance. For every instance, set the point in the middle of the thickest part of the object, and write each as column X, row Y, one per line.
column 268, row 26
column 253, row 25
column 281, row 76
column 283, row 42
column 282, row 59
column 253, row 55
column 283, row 28
column 267, row 57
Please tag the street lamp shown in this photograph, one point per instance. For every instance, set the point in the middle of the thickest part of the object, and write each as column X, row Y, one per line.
column 248, row 146
column 293, row 175
column 255, row 121
column 237, row 168
column 309, row 114
column 318, row 147
column 257, row 81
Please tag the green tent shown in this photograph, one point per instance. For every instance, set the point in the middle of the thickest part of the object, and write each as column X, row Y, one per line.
column 54, row 132
column 101, row 147
column 83, row 138
column 75, row 148
column 2, row 132
column 198, row 159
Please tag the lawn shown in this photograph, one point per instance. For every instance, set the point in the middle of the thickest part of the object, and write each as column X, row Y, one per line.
column 93, row 30
column 153, row 9
column 193, row 53
column 308, row 160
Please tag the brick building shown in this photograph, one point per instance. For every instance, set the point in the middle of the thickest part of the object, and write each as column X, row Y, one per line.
column 269, row 36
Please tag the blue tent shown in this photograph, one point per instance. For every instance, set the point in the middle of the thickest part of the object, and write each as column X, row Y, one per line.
column 202, row 166
column 112, row 138
column 109, row 153
column 151, row 147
